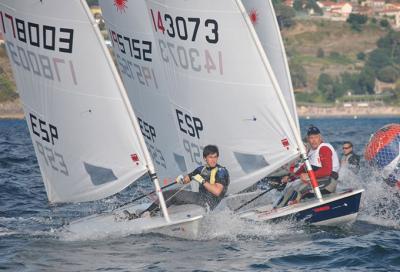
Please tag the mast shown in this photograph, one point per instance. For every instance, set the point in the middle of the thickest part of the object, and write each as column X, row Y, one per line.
column 132, row 117
column 275, row 84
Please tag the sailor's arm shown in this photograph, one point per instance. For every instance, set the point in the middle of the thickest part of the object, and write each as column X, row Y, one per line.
column 188, row 177
column 295, row 175
column 216, row 188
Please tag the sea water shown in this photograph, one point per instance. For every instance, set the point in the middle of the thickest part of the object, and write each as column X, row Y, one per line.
column 30, row 237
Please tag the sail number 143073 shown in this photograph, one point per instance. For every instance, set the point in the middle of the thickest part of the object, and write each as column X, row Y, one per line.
column 184, row 28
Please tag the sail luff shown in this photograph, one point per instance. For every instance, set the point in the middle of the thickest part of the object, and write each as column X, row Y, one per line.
column 129, row 109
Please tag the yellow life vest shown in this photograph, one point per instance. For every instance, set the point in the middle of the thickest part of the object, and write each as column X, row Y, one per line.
column 213, row 174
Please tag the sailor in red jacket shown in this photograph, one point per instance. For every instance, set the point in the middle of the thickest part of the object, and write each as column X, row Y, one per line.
column 325, row 163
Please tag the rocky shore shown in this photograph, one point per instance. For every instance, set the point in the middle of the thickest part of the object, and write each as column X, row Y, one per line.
column 11, row 110
column 340, row 111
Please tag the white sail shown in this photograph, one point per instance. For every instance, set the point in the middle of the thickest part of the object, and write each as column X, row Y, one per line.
column 223, row 91
column 262, row 15
column 83, row 137
column 130, row 31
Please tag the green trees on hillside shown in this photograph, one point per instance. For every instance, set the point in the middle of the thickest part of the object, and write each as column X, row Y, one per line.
column 378, row 59
column 357, row 21
column 285, row 15
column 388, row 74
column 385, row 60
column 7, row 89
column 306, row 5
column 383, row 64
column 298, row 75
column 361, row 56
column 320, row 53
column 384, row 23
column 357, row 83
column 366, row 82
column 333, row 88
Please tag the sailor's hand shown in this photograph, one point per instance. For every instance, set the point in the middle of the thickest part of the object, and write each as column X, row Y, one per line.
column 179, row 179
column 304, row 177
column 199, row 179
column 285, row 179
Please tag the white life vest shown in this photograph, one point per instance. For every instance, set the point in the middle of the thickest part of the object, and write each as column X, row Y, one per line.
column 315, row 160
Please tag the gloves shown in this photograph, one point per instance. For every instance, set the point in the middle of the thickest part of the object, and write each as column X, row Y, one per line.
column 199, row 179
column 179, row 179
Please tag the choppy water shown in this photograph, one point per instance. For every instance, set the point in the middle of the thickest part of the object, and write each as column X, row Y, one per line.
column 29, row 240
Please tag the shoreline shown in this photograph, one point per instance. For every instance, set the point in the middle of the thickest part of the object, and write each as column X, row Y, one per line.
column 315, row 111
column 12, row 116
column 13, row 111
column 348, row 116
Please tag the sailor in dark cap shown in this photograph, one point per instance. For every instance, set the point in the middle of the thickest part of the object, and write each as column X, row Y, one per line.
column 325, row 163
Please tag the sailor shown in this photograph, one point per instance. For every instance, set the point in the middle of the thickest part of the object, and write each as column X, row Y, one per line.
column 212, row 178
column 325, row 163
column 349, row 159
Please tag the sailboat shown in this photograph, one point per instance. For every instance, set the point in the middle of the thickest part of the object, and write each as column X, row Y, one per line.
column 86, row 137
column 202, row 65
column 225, row 78
column 335, row 209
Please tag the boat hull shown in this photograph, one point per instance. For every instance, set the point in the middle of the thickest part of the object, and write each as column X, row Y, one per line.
column 333, row 213
column 336, row 209
column 185, row 222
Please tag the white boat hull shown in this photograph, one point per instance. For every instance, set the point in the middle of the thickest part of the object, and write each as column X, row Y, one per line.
column 185, row 221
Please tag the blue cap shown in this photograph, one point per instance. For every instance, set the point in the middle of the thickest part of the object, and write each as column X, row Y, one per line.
column 313, row 130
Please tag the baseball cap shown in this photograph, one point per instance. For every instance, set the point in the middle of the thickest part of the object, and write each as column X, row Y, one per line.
column 313, row 130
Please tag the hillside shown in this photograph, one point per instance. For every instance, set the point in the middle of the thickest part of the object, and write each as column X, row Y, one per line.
column 316, row 46
column 338, row 43
column 7, row 84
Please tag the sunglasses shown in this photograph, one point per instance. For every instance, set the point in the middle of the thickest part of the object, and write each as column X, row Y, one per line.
column 347, row 147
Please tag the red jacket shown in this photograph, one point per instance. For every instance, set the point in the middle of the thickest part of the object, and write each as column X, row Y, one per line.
column 325, row 155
